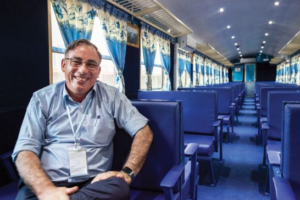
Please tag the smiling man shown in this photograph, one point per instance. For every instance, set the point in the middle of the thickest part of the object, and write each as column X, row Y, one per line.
column 64, row 149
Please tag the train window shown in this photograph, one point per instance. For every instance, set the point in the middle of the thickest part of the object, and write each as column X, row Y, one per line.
column 108, row 71
column 158, row 76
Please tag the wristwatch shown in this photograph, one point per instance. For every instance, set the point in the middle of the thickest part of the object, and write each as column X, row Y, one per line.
column 128, row 171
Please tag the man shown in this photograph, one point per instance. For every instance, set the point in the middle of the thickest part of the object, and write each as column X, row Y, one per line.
column 64, row 149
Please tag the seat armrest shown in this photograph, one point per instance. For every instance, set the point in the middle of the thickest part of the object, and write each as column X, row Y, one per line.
column 274, row 158
column 283, row 189
column 265, row 126
column 220, row 117
column 191, row 149
column 258, row 106
column 217, row 123
column 9, row 166
column 233, row 104
column 172, row 176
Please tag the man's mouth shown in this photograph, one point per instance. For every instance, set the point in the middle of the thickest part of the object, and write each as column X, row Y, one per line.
column 81, row 78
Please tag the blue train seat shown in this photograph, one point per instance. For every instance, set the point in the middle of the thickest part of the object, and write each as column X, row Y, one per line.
column 166, row 173
column 287, row 187
column 199, row 119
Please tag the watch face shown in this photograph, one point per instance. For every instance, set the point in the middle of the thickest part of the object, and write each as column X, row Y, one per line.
column 127, row 170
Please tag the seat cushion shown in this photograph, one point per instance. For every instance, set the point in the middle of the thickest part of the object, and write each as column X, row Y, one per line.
column 206, row 143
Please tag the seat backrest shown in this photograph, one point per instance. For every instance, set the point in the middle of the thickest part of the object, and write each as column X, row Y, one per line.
column 224, row 97
column 166, row 149
column 264, row 96
column 275, row 100
column 199, row 108
column 290, row 162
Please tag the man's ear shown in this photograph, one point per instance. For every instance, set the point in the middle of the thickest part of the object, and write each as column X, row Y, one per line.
column 63, row 65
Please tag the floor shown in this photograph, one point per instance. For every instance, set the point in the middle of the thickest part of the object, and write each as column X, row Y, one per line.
column 241, row 176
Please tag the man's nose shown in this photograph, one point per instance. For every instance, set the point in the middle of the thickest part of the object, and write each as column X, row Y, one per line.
column 83, row 68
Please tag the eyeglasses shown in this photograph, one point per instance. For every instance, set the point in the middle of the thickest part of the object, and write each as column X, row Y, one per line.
column 77, row 62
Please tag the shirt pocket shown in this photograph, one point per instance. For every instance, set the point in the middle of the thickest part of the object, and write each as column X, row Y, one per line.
column 100, row 131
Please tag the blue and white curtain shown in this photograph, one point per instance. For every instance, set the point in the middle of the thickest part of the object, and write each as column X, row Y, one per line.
column 199, row 70
column 188, row 67
column 277, row 74
column 206, row 71
column 221, row 74
column 295, row 78
column 149, row 42
column 226, row 76
column 164, row 49
column 287, row 68
column 114, row 26
column 297, row 66
column 184, row 63
column 281, row 73
column 75, row 18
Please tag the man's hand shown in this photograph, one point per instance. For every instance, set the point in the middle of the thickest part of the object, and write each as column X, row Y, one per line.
column 59, row 193
column 109, row 174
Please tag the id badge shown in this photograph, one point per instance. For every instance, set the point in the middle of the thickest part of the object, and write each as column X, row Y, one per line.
column 78, row 162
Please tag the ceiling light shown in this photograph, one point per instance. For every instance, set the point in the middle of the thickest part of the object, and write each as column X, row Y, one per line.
column 240, row 52
column 270, row 22
column 238, row 49
column 228, row 27
column 266, row 34
column 221, row 9
column 232, row 37
column 241, row 55
column 260, row 51
column 169, row 30
column 264, row 42
column 276, row 3
column 262, row 47
column 235, row 44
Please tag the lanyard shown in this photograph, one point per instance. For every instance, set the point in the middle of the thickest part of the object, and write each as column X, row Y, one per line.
column 80, row 123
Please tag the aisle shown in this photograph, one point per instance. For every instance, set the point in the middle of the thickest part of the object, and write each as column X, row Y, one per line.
column 242, row 177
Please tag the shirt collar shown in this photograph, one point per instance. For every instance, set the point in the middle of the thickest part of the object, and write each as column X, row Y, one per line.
column 65, row 93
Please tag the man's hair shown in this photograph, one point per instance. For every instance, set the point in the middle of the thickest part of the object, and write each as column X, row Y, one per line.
column 79, row 42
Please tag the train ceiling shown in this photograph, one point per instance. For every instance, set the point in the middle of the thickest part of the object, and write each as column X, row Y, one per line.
column 249, row 22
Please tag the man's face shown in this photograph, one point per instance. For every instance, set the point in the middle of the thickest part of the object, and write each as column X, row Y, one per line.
column 80, row 79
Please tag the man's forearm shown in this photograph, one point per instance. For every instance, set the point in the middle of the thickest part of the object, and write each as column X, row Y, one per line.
column 29, row 167
column 139, row 149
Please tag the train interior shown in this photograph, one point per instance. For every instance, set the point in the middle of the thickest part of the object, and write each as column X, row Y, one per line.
column 228, row 70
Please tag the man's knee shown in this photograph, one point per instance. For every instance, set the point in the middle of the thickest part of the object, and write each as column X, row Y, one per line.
column 113, row 188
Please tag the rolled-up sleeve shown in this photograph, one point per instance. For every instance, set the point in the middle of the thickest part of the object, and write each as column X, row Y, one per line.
column 32, row 129
column 127, row 116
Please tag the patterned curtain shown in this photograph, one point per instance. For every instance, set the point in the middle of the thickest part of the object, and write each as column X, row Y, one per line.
column 114, row 27
column 277, row 74
column 206, row 71
column 226, row 75
column 297, row 65
column 188, row 67
column 293, row 71
column 212, row 73
column 164, row 49
column 282, row 76
column 149, row 40
column 221, row 74
column 287, row 72
column 75, row 18
column 181, row 66
column 198, row 66
column 209, row 72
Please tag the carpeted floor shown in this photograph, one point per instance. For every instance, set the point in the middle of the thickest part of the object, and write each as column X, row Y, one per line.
column 242, row 176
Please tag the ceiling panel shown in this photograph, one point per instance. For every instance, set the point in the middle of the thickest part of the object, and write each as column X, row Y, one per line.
column 248, row 20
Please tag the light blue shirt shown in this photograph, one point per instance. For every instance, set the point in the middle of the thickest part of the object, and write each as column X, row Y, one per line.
column 47, row 132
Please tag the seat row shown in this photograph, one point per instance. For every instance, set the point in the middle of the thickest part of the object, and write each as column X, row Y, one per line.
column 272, row 101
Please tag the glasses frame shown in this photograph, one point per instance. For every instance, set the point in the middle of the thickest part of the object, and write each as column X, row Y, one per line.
column 79, row 65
